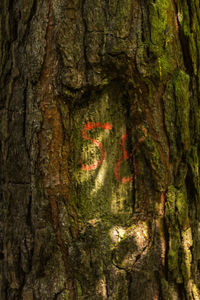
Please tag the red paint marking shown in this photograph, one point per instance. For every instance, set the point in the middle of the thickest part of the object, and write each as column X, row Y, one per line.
column 126, row 156
column 123, row 141
column 90, row 126
column 117, row 165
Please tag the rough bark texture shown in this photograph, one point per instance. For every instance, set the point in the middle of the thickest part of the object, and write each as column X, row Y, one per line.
column 100, row 131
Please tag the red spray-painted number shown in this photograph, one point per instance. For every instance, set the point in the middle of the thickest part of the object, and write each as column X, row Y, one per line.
column 118, row 163
column 90, row 126
column 126, row 156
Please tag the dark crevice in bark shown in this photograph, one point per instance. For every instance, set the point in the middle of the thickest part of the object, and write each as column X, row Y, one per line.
column 185, row 47
column 114, row 264
column 107, row 12
column 84, row 40
column 131, row 20
column 29, row 214
column 6, row 289
column 114, row 55
column 178, row 141
column 48, row 56
column 14, row 17
column 148, row 26
column 193, row 208
column 142, row 24
column 25, row 118
column 190, row 13
column 158, row 279
column 58, row 294
column 22, row 277
column 29, row 21
column 107, row 289
column 191, row 17
column 181, row 291
column 191, row 190
column 129, row 280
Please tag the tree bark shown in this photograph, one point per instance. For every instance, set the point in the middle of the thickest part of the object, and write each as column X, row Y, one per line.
column 99, row 151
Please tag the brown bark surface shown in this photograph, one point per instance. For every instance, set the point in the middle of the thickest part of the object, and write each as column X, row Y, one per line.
column 99, row 150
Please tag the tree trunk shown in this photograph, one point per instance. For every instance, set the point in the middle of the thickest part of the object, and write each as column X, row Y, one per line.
column 100, row 131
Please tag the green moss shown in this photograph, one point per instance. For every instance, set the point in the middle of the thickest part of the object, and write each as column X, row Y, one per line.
column 195, row 292
column 69, row 94
column 193, row 52
column 121, row 288
column 173, row 260
column 170, row 118
column 181, row 90
column 160, row 48
column 185, row 19
column 189, row 25
column 186, row 261
column 173, row 231
column 165, row 289
column 181, row 176
column 92, row 192
column 158, row 19
column 186, row 267
column 177, row 207
column 180, row 234
column 67, row 295
column 170, row 201
column 166, row 65
column 159, row 37
column 182, row 208
column 79, row 290
column 177, row 114
column 153, row 156
column 193, row 160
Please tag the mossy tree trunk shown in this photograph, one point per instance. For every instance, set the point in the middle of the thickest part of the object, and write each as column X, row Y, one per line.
column 100, row 131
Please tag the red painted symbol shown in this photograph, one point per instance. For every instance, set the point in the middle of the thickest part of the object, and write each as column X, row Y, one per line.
column 90, row 126
column 125, row 156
